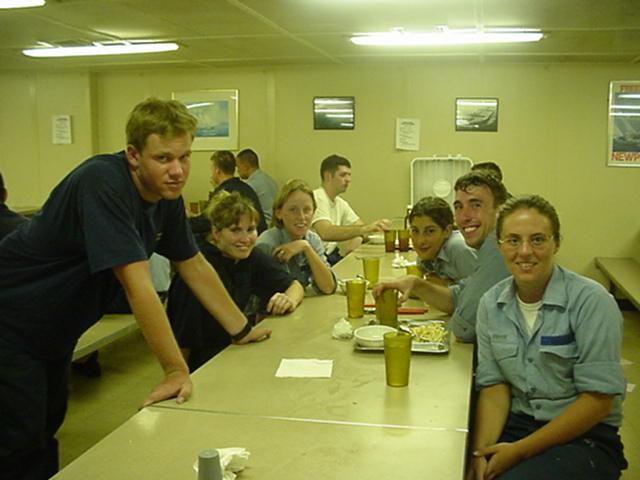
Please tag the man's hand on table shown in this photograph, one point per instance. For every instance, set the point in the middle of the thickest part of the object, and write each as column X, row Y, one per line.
column 175, row 384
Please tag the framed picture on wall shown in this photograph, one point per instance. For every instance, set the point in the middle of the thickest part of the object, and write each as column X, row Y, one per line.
column 624, row 124
column 334, row 113
column 476, row 114
column 217, row 114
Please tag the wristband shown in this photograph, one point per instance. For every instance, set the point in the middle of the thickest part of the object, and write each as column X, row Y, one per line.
column 242, row 333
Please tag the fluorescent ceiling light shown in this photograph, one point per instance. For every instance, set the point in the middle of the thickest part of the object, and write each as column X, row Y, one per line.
column 400, row 38
column 99, row 49
column 21, row 3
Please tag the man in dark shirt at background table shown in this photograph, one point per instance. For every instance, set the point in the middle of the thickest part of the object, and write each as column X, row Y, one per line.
column 9, row 220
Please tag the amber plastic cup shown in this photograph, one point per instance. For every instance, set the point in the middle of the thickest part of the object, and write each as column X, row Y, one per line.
column 397, row 358
column 414, row 269
column 371, row 269
column 355, row 297
column 194, row 208
column 390, row 240
column 387, row 307
column 403, row 240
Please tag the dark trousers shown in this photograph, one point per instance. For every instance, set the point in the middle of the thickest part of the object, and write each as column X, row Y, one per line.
column 33, row 403
column 596, row 455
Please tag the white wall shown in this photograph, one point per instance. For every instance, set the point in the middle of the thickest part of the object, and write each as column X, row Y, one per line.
column 551, row 138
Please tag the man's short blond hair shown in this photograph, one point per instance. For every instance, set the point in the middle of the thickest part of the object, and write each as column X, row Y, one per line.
column 166, row 118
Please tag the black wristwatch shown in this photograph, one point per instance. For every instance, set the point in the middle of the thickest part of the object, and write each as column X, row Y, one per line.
column 242, row 333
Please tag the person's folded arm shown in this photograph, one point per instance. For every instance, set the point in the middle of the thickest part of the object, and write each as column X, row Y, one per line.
column 492, row 411
column 150, row 314
column 206, row 285
column 287, row 301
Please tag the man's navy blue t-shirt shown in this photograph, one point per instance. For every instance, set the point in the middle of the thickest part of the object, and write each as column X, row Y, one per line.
column 56, row 276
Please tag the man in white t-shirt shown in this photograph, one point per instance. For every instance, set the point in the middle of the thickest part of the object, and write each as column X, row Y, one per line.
column 334, row 219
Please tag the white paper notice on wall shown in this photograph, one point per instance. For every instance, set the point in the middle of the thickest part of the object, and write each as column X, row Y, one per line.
column 61, row 130
column 408, row 134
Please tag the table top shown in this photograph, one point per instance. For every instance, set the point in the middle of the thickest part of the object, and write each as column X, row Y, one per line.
column 164, row 444
column 351, row 425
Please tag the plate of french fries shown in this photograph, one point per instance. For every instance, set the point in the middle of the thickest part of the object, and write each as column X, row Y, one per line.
column 431, row 336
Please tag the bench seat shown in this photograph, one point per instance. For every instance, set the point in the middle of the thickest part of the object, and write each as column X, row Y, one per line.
column 624, row 274
column 108, row 329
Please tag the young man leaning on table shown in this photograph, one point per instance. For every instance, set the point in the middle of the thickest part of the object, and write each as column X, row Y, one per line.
column 60, row 273
column 334, row 219
column 479, row 197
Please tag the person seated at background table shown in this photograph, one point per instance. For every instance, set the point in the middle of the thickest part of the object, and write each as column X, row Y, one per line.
column 244, row 271
column 479, row 197
column 491, row 168
column 549, row 374
column 223, row 168
column 291, row 242
column 442, row 251
column 9, row 220
column 334, row 219
column 266, row 188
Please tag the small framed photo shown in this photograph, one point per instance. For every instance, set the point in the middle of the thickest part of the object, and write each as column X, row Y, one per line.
column 217, row 114
column 476, row 114
column 334, row 113
column 624, row 124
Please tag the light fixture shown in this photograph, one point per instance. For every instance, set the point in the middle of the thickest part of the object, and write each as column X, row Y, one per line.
column 21, row 3
column 445, row 36
column 100, row 49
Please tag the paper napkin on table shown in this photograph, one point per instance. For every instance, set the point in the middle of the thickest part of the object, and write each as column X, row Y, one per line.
column 342, row 330
column 305, row 367
column 232, row 461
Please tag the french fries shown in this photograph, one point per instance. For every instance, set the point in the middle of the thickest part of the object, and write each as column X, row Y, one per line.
column 433, row 332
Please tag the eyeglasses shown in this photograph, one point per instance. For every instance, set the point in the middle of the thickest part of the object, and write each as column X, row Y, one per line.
column 536, row 242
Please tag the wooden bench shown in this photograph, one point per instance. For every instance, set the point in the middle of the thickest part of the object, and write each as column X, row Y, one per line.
column 624, row 275
column 108, row 329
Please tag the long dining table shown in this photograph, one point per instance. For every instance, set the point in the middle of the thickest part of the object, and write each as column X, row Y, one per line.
column 348, row 425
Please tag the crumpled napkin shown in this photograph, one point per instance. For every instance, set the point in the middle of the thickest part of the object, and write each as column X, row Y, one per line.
column 400, row 262
column 342, row 330
column 232, row 461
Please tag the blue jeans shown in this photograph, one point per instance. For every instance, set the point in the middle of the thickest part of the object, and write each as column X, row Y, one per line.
column 595, row 455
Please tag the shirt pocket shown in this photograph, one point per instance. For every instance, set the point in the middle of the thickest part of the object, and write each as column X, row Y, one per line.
column 506, row 356
column 558, row 362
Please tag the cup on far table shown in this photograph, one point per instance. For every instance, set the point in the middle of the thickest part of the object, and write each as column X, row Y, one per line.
column 390, row 240
column 194, row 208
column 356, row 290
column 403, row 240
column 397, row 358
column 371, row 269
column 387, row 307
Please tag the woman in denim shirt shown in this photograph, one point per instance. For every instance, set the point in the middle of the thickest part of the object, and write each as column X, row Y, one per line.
column 549, row 374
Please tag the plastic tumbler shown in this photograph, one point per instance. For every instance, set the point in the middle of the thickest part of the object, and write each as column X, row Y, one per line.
column 389, row 240
column 355, row 297
column 403, row 240
column 371, row 269
column 397, row 358
column 387, row 307
column 414, row 269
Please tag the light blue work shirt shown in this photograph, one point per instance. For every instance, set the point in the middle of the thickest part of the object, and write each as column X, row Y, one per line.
column 466, row 293
column 297, row 265
column 455, row 260
column 574, row 346
column 267, row 189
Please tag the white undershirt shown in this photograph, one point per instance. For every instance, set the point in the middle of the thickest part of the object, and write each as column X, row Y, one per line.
column 529, row 312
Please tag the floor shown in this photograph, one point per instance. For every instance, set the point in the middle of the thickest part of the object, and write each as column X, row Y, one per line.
column 129, row 370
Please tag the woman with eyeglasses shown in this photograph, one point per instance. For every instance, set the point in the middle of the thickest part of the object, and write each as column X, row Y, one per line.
column 549, row 376
column 254, row 280
column 442, row 251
